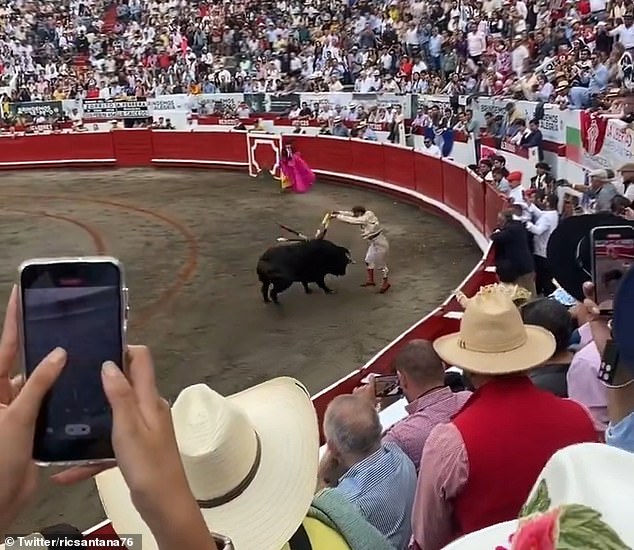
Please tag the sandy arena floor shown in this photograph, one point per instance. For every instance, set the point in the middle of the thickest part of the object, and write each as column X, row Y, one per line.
column 189, row 241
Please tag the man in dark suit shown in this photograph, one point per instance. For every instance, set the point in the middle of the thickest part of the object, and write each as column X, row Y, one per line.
column 513, row 258
column 533, row 138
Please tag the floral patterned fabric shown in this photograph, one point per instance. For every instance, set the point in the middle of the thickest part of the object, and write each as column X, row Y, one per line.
column 567, row 527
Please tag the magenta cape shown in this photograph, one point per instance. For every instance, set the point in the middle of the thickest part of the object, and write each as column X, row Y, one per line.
column 298, row 172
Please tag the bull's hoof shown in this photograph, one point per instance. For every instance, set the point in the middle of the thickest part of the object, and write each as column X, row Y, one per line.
column 330, row 291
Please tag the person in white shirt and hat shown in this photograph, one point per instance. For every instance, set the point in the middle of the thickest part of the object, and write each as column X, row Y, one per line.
column 379, row 247
column 365, row 132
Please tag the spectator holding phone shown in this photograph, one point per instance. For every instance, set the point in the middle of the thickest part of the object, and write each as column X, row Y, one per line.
column 142, row 431
column 620, row 390
column 421, row 377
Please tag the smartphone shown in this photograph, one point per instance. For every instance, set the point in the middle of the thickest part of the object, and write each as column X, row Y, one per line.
column 387, row 385
column 612, row 257
column 81, row 305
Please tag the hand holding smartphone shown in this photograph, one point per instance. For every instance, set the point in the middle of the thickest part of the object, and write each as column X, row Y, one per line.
column 80, row 305
column 387, row 385
column 612, row 257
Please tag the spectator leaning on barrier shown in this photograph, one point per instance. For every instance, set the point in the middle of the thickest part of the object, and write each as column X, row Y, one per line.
column 378, row 478
column 478, row 469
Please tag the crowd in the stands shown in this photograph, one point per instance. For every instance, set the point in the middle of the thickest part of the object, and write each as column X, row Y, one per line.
column 520, row 48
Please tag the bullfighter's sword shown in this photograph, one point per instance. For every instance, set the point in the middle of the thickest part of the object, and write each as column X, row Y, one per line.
column 290, row 230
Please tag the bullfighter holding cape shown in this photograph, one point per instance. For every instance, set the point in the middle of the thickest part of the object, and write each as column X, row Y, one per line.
column 296, row 175
column 378, row 249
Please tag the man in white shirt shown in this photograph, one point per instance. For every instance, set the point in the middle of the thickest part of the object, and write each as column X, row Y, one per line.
column 476, row 43
column 625, row 31
column 542, row 228
column 519, row 55
column 378, row 249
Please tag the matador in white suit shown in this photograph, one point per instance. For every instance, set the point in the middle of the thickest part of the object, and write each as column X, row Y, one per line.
column 378, row 249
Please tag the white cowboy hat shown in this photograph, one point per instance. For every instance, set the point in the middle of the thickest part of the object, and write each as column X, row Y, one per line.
column 251, row 461
column 492, row 338
column 581, row 501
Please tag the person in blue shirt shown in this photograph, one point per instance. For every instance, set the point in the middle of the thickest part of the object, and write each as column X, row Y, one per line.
column 378, row 478
column 597, row 79
column 365, row 132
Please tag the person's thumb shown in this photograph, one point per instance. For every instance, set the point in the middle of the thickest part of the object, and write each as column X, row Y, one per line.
column 27, row 403
column 120, row 395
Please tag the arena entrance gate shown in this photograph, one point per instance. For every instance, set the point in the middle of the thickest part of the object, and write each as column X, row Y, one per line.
column 263, row 152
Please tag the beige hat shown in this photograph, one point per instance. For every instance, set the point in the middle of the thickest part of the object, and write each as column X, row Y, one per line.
column 599, row 173
column 251, row 461
column 492, row 338
column 581, row 501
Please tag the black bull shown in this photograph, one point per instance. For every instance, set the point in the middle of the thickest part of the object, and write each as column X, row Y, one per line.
column 302, row 262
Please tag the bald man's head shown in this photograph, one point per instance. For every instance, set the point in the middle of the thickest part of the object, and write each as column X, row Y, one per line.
column 352, row 426
column 419, row 368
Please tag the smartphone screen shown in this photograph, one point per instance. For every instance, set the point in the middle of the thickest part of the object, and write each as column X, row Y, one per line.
column 613, row 254
column 386, row 386
column 76, row 306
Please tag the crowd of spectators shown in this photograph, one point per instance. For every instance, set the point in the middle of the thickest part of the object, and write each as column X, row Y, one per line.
column 464, row 457
column 523, row 48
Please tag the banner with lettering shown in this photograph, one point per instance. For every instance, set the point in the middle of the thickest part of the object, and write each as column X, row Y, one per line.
column 115, row 109
column 35, row 109
column 175, row 102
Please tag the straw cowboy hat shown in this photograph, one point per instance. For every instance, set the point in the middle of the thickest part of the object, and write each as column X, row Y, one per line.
column 492, row 338
column 251, row 461
column 581, row 501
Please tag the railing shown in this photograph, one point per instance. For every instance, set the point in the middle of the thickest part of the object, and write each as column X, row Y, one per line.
column 432, row 183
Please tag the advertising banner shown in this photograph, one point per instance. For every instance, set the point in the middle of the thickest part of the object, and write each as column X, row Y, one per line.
column 605, row 143
column 115, row 109
column 175, row 102
column 35, row 109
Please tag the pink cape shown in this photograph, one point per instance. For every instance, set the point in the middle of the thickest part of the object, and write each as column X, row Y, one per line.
column 298, row 172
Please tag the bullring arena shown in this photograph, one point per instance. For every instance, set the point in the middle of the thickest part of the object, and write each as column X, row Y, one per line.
column 190, row 238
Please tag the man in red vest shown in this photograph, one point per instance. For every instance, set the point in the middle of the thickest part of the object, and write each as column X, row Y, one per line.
column 479, row 469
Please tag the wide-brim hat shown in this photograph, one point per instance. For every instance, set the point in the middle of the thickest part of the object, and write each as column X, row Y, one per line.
column 493, row 339
column 582, row 499
column 251, row 461
column 569, row 252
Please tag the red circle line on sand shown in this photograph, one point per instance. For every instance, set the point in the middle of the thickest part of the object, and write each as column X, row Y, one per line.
column 184, row 274
column 97, row 238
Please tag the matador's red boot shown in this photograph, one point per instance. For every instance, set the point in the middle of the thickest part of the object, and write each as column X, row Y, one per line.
column 370, row 280
column 385, row 286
